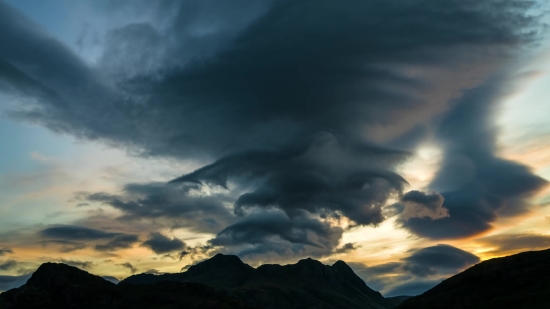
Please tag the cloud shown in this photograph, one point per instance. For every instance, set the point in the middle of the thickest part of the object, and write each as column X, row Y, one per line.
column 70, row 232
column 440, row 259
column 421, row 205
column 311, row 179
column 8, row 265
column 302, row 121
column 170, row 204
column 346, row 248
column 419, row 271
column 11, row 282
column 79, row 264
column 476, row 185
column 71, row 238
column 118, row 242
column 162, row 244
column 111, row 279
column 274, row 231
column 515, row 242
column 412, row 288
column 129, row 266
column 66, row 246
column 4, row 251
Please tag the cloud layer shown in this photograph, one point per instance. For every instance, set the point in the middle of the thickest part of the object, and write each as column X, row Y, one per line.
column 301, row 113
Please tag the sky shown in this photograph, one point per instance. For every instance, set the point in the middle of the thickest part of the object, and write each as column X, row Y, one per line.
column 409, row 139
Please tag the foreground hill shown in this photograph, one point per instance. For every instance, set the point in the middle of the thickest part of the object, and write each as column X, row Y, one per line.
column 306, row 284
column 223, row 281
column 58, row 286
column 520, row 281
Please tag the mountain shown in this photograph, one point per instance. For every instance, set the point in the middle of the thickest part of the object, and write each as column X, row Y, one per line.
column 61, row 286
column 220, row 271
column 306, row 284
column 520, row 281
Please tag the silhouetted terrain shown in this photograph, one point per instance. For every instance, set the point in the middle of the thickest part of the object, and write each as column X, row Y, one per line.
column 306, row 284
column 223, row 281
column 520, row 281
column 61, row 286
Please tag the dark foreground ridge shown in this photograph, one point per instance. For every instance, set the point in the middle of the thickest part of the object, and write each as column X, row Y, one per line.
column 520, row 281
column 223, row 281
column 58, row 286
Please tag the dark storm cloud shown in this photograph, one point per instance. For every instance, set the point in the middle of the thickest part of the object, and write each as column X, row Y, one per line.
column 274, row 231
column 281, row 76
column 299, row 114
column 313, row 179
column 477, row 186
column 73, row 238
column 171, row 203
column 438, row 259
column 4, row 251
column 515, row 242
column 162, row 244
column 11, row 282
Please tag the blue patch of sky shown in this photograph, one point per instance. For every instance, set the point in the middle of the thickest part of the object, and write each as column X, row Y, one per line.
column 20, row 140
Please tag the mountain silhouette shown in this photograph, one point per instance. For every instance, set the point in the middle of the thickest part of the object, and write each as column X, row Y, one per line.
column 306, row 284
column 520, row 281
column 222, row 281
column 59, row 286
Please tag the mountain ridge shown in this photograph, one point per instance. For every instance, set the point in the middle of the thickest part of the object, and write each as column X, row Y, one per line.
column 223, row 281
column 291, row 286
column 520, row 281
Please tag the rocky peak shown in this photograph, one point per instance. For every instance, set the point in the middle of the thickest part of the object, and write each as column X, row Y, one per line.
column 50, row 275
column 220, row 261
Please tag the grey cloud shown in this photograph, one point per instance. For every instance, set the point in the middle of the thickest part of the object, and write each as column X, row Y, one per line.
column 420, row 270
column 111, row 279
column 412, row 288
column 274, row 231
column 65, row 245
column 162, row 244
column 440, row 259
column 477, row 185
column 8, row 265
column 153, row 271
column 307, row 78
column 346, row 248
column 195, row 252
column 418, row 204
column 4, row 251
column 299, row 114
column 11, row 282
column 79, row 264
column 129, row 266
column 171, row 203
column 71, row 238
column 118, row 242
column 70, row 232
column 312, row 179
column 515, row 242
column 431, row 201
